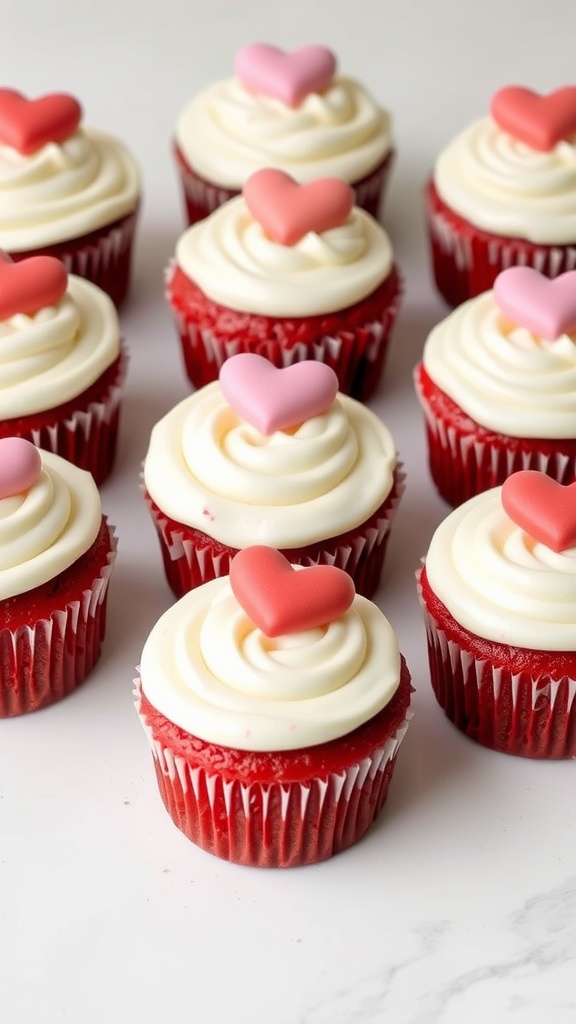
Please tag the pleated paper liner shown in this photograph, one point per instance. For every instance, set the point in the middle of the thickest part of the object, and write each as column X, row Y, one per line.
column 191, row 557
column 510, row 699
column 282, row 809
column 83, row 430
column 466, row 459
column 50, row 637
column 353, row 341
column 466, row 260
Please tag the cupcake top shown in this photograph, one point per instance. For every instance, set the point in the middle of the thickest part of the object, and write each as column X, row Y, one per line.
column 226, row 461
column 50, row 515
column 513, row 173
column 504, row 563
column 58, row 334
column 230, row 663
column 286, row 110
column 288, row 250
column 508, row 357
column 58, row 179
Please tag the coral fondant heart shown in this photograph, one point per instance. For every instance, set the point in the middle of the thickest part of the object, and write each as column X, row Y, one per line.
column 27, row 125
column 542, row 507
column 274, row 399
column 288, row 77
column 280, row 599
column 542, row 305
column 30, row 284
column 20, row 466
column 287, row 211
column 539, row 121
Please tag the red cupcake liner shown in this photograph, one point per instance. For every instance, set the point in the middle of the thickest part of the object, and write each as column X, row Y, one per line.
column 84, row 430
column 103, row 257
column 202, row 197
column 466, row 260
column 192, row 558
column 50, row 637
column 510, row 699
column 283, row 809
column 353, row 341
column 466, row 458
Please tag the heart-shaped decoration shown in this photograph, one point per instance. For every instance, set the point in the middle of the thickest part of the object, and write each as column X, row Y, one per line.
column 30, row 284
column 288, row 77
column 280, row 599
column 20, row 466
column 274, row 399
column 539, row 121
column 287, row 211
column 545, row 306
column 27, row 125
column 542, row 507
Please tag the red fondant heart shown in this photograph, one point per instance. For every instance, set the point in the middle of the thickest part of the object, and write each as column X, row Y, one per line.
column 539, row 121
column 288, row 77
column 27, row 125
column 280, row 599
column 30, row 284
column 545, row 509
column 287, row 211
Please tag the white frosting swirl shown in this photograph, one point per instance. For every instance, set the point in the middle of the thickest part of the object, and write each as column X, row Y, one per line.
column 227, row 132
column 504, row 376
column 210, row 470
column 64, row 190
column 498, row 582
column 45, row 529
column 53, row 355
column 502, row 185
column 208, row 668
column 233, row 261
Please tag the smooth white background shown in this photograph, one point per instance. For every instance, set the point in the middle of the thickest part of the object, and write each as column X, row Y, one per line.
column 460, row 904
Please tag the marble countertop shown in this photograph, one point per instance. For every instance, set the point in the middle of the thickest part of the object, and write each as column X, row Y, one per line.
column 460, row 903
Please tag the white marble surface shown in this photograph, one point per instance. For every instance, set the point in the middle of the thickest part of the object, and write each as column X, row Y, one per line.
column 460, row 904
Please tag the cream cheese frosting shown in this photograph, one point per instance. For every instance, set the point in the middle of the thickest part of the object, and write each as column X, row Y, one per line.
column 48, row 527
column 53, row 355
column 208, row 668
column 209, row 469
column 64, row 190
column 231, row 258
column 500, row 583
column 227, row 132
column 504, row 186
column 505, row 377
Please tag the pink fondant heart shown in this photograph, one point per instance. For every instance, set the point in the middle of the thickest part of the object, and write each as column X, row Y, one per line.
column 542, row 305
column 287, row 211
column 274, row 399
column 288, row 77
column 545, row 509
column 27, row 125
column 539, row 121
column 20, row 466
column 30, row 284
column 280, row 599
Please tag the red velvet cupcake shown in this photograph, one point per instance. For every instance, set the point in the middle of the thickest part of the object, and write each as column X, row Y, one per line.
column 56, row 556
column 66, row 190
column 498, row 591
column 291, row 111
column 62, row 366
column 274, row 701
column 290, row 272
column 274, row 456
column 503, row 193
column 497, row 385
